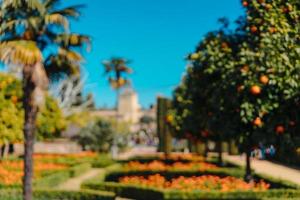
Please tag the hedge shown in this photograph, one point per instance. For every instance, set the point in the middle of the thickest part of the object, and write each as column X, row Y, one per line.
column 102, row 160
column 59, row 177
column 147, row 193
column 58, row 195
column 113, row 175
column 285, row 189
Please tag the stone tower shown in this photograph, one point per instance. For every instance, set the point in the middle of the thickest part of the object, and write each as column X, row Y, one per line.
column 128, row 105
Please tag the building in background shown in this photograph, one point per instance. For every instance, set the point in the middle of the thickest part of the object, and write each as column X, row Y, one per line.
column 128, row 109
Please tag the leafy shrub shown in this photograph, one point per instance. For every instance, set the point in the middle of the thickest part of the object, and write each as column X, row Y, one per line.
column 96, row 136
column 103, row 160
column 144, row 193
column 61, row 176
column 58, row 195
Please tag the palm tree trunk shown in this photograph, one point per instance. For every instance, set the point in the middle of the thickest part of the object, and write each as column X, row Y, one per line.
column 29, row 128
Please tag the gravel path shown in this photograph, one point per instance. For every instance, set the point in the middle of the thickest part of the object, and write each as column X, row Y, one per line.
column 136, row 151
column 74, row 183
column 268, row 168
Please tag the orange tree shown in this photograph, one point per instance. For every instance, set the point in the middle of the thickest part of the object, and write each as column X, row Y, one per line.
column 11, row 119
column 50, row 120
column 269, row 75
column 209, row 111
column 245, row 78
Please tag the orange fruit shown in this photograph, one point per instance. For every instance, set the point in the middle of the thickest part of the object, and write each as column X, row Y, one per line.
column 245, row 3
column 272, row 30
column 268, row 6
column 255, row 90
column 279, row 129
column 264, row 79
column 224, row 45
column 257, row 121
column 169, row 118
column 240, row 88
column 245, row 68
column 253, row 29
column 194, row 56
column 14, row 99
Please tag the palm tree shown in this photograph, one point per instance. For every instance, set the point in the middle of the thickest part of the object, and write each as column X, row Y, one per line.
column 29, row 31
column 115, row 69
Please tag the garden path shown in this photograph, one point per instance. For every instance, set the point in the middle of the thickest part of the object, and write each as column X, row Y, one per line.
column 268, row 168
column 136, row 151
column 74, row 183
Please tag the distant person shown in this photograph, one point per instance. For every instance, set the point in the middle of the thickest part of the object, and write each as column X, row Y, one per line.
column 272, row 151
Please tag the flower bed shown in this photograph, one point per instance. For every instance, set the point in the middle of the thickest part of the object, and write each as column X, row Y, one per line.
column 173, row 157
column 49, row 169
column 161, row 166
column 202, row 183
column 158, row 180
column 11, row 172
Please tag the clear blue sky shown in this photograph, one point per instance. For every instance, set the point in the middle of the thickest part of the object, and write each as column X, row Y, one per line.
column 155, row 34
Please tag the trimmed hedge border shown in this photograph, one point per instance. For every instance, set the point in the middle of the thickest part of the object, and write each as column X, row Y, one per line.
column 58, row 195
column 146, row 193
column 113, row 175
column 57, row 178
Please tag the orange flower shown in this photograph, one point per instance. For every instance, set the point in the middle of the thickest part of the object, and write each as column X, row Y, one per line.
column 161, row 166
column 204, row 183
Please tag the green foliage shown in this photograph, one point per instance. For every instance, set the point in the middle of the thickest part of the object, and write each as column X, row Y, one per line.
column 58, row 195
column 281, row 189
column 11, row 114
column 50, row 120
column 116, row 69
column 103, row 160
column 140, row 192
column 96, row 136
column 242, row 84
column 52, row 180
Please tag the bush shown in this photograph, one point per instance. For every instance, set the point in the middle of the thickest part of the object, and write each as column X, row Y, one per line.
column 282, row 189
column 57, row 178
column 103, row 160
column 96, row 136
column 144, row 193
column 58, row 195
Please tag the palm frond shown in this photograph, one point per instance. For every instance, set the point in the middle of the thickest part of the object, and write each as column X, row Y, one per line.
column 73, row 40
column 72, row 11
column 50, row 4
column 12, row 25
column 57, row 19
column 20, row 52
column 70, row 55
column 21, row 4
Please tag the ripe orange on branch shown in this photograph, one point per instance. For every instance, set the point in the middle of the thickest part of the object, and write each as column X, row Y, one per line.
column 257, row 121
column 255, row 90
column 169, row 118
column 14, row 99
column 253, row 29
column 245, row 69
column 264, row 79
column 279, row 129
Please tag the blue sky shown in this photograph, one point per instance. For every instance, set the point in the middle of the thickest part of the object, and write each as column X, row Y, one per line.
column 155, row 34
